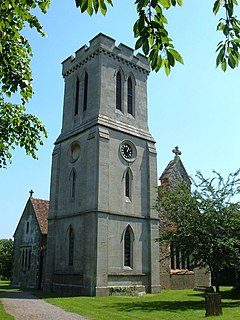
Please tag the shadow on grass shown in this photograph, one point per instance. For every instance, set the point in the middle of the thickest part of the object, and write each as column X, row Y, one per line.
column 228, row 294
column 6, row 291
column 7, row 288
column 29, row 294
column 150, row 306
column 173, row 306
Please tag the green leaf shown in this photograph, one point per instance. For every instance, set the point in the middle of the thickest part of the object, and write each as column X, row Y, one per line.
column 231, row 61
column 170, row 59
column 90, row 10
column 154, row 59
column 154, row 3
column 83, row 5
column 159, row 64
column 216, row 6
column 138, row 43
column 145, row 47
column 103, row 7
column 220, row 56
column 166, row 67
column 176, row 55
column 96, row 5
column 180, row 3
column 224, row 65
column 136, row 29
column 165, row 3
column 226, row 30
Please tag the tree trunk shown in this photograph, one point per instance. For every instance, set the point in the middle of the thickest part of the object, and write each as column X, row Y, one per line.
column 213, row 304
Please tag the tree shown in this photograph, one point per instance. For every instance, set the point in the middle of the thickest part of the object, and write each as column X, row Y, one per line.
column 205, row 223
column 18, row 128
column 152, row 35
column 6, row 252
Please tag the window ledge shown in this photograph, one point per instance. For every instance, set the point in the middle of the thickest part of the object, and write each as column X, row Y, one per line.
column 181, row 271
column 129, row 271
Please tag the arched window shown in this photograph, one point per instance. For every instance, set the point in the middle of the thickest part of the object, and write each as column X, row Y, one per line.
column 128, row 184
column 73, row 186
column 70, row 246
column 77, row 96
column 130, row 96
column 85, row 93
column 118, row 91
column 128, row 247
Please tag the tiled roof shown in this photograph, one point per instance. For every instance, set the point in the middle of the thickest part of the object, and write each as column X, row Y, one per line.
column 175, row 165
column 169, row 169
column 41, row 208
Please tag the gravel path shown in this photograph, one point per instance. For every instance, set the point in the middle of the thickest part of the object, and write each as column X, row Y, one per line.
column 25, row 306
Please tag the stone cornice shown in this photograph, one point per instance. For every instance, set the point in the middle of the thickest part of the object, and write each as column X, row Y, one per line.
column 150, row 217
column 108, row 123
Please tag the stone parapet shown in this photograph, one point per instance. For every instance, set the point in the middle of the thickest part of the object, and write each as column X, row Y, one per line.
column 105, row 44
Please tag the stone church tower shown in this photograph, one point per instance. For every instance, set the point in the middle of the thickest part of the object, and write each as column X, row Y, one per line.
column 102, row 227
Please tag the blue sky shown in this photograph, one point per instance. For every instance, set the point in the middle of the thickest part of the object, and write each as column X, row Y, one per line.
column 196, row 107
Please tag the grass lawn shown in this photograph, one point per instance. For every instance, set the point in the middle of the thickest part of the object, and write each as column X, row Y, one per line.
column 168, row 305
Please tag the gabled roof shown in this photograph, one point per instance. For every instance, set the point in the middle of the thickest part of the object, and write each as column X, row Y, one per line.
column 41, row 208
column 174, row 167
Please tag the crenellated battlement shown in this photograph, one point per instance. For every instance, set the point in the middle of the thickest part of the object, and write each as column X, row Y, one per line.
column 104, row 44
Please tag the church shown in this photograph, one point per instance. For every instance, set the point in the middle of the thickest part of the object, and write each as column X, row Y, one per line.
column 102, row 227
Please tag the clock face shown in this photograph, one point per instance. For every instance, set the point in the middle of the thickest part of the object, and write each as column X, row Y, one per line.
column 126, row 151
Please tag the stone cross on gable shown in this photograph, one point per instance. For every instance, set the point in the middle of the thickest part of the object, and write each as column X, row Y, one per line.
column 176, row 151
column 31, row 192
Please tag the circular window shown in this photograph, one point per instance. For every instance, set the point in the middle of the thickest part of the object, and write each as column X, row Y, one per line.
column 74, row 151
column 128, row 151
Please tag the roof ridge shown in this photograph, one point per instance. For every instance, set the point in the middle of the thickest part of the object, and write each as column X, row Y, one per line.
column 32, row 198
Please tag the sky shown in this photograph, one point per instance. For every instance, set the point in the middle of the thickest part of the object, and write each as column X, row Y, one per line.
column 197, row 107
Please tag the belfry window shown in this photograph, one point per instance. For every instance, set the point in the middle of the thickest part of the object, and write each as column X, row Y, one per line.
column 77, row 96
column 128, row 247
column 73, row 187
column 118, row 91
column 130, row 96
column 85, row 93
column 128, row 184
column 70, row 246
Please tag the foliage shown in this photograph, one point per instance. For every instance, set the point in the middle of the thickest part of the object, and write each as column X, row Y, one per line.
column 123, row 291
column 204, row 223
column 18, row 128
column 16, row 76
column 15, row 50
column 167, row 305
column 6, row 252
column 152, row 35
column 228, row 50
column 149, row 29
